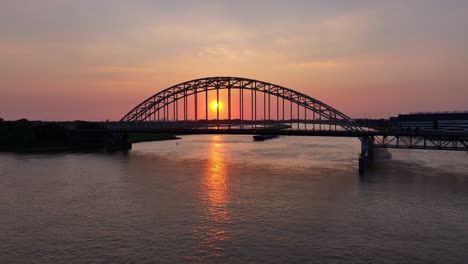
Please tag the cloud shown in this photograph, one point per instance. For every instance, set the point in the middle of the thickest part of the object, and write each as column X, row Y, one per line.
column 329, row 48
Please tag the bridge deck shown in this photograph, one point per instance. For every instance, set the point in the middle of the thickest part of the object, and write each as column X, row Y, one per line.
column 381, row 139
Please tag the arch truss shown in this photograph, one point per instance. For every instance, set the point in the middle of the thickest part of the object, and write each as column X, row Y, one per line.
column 231, row 102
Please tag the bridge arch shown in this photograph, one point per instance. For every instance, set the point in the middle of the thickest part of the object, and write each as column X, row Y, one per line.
column 294, row 106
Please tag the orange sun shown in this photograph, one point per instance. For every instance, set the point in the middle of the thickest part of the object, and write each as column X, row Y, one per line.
column 216, row 106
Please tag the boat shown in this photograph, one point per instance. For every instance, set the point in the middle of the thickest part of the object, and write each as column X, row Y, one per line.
column 263, row 137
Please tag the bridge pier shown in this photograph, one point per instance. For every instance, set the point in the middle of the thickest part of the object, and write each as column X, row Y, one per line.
column 366, row 156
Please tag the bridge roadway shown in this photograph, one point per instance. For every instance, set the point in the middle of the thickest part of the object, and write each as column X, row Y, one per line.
column 185, row 109
column 194, row 107
column 453, row 141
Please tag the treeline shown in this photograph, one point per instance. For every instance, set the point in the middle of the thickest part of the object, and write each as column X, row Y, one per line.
column 25, row 135
column 31, row 136
column 37, row 136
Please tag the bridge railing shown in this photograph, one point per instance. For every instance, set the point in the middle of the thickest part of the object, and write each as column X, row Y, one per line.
column 434, row 141
column 298, row 125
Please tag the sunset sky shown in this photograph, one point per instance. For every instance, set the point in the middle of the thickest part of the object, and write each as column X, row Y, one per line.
column 95, row 60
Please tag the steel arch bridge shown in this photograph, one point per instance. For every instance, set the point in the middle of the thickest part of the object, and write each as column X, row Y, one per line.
column 236, row 103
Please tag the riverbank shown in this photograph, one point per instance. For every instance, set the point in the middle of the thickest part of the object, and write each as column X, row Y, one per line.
column 24, row 136
column 36, row 149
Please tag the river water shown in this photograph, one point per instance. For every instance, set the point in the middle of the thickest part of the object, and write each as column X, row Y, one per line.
column 226, row 199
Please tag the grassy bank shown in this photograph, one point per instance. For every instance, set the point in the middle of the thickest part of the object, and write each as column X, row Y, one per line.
column 136, row 138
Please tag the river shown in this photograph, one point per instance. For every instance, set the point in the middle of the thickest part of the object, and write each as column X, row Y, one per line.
column 227, row 199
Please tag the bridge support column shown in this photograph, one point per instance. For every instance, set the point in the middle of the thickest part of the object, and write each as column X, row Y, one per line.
column 366, row 155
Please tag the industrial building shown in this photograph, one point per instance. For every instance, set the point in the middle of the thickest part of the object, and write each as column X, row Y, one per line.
column 432, row 121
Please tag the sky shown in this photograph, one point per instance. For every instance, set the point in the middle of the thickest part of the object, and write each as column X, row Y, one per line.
column 96, row 60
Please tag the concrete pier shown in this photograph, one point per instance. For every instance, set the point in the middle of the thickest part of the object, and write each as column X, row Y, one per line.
column 366, row 155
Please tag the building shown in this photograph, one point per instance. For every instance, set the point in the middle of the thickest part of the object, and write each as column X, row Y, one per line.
column 432, row 121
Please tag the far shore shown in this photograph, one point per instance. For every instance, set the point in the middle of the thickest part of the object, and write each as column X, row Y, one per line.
column 24, row 136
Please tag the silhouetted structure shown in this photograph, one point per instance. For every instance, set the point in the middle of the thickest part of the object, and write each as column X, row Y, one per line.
column 432, row 121
column 258, row 104
column 265, row 108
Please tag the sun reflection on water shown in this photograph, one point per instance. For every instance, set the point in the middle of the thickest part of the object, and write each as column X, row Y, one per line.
column 214, row 193
column 216, row 183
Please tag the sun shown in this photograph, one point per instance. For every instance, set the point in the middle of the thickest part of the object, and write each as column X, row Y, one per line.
column 216, row 105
